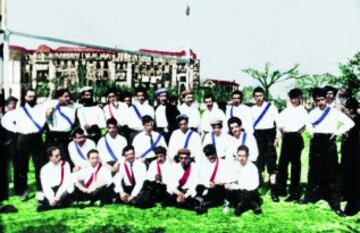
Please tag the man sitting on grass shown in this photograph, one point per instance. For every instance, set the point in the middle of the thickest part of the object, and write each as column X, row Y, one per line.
column 242, row 187
column 94, row 182
column 56, row 181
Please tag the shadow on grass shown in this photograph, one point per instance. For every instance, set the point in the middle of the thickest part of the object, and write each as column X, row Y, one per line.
column 122, row 229
column 57, row 228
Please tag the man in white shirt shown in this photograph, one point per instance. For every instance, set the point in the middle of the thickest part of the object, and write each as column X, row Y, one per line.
column 56, row 182
column 79, row 148
column 185, row 138
column 243, row 183
column 330, row 92
column 158, row 174
column 222, row 141
column 115, row 109
column 111, row 145
column 130, row 178
column 265, row 116
column 240, row 110
column 30, row 119
column 189, row 108
column 61, row 120
column 211, row 112
column 292, row 122
column 8, row 151
column 323, row 177
column 181, row 187
column 242, row 137
column 94, row 182
column 212, row 177
column 137, row 110
column 91, row 117
column 165, row 114
column 145, row 142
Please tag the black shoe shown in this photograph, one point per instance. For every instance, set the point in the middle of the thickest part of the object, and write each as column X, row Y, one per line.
column 257, row 210
column 8, row 209
column 238, row 211
column 291, row 198
column 41, row 208
column 24, row 196
column 340, row 213
column 275, row 197
column 351, row 208
column 282, row 193
column 303, row 201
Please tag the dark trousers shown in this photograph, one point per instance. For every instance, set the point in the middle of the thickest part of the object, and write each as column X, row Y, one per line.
column 60, row 140
column 132, row 134
column 151, row 193
column 323, row 176
column 189, row 203
column 65, row 201
column 166, row 135
column 28, row 144
column 292, row 145
column 243, row 199
column 8, row 152
column 105, row 194
column 267, row 152
column 212, row 196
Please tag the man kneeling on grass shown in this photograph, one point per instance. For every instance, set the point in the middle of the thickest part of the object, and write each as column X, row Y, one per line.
column 242, row 189
column 130, row 177
column 56, row 182
column 94, row 182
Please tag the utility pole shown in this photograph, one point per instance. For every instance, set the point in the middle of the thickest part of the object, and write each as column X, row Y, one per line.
column 4, row 51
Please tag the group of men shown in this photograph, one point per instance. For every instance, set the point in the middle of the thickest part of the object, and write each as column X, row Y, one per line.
column 174, row 155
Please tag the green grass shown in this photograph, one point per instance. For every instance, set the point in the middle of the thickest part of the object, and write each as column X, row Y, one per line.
column 276, row 217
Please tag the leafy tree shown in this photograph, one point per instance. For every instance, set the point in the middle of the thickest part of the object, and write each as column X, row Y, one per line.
column 307, row 82
column 350, row 76
column 268, row 77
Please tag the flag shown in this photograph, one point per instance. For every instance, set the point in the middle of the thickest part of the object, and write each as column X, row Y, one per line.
column 187, row 10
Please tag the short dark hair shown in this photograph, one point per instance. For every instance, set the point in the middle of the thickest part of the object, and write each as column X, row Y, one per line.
column 330, row 88
column 147, row 119
column 207, row 96
column 127, row 148
column 244, row 148
column 295, row 93
column 141, row 90
column 61, row 92
column 125, row 94
column 209, row 149
column 92, row 151
column 77, row 131
column 237, row 92
column 111, row 90
column 50, row 150
column 233, row 120
column 111, row 121
column 160, row 150
column 318, row 92
column 258, row 89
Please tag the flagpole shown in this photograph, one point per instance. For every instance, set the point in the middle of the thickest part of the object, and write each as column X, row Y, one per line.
column 187, row 48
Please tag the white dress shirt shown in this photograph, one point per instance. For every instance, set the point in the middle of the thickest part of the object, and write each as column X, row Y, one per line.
column 165, row 170
column 160, row 117
column 223, row 144
column 57, row 122
column 50, row 176
column 23, row 123
column 142, row 143
column 191, row 183
column 292, row 119
column 116, row 145
column 207, row 170
column 91, row 116
column 178, row 139
column 8, row 121
column 269, row 119
column 335, row 122
column 134, row 122
column 208, row 116
column 76, row 157
column 244, row 177
column 192, row 112
column 119, row 113
column 101, row 176
column 242, row 112
column 250, row 142
column 138, row 172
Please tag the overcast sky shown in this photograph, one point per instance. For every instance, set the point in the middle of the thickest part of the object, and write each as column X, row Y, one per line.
column 227, row 35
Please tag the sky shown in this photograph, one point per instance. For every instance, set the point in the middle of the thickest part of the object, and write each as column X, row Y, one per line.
column 227, row 35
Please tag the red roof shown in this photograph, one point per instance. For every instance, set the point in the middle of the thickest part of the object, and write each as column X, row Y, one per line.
column 19, row 49
column 181, row 53
column 43, row 49
column 222, row 82
column 64, row 49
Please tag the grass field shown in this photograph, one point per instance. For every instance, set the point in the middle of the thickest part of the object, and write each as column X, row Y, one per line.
column 276, row 217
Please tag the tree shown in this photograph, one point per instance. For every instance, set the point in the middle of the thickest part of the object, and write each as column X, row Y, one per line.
column 350, row 76
column 308, row 82
column 268, row 77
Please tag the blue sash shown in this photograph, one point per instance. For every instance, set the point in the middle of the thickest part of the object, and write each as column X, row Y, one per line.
column 32, row 119
column 244, row 138
column 231, row 111
column 261, row 115
column 137, row 112
column 152, row 146
column 64, row 115
column 322, row 117
column 79, row 152
column 213, row 139
column 111, row 152
column 188, row 139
